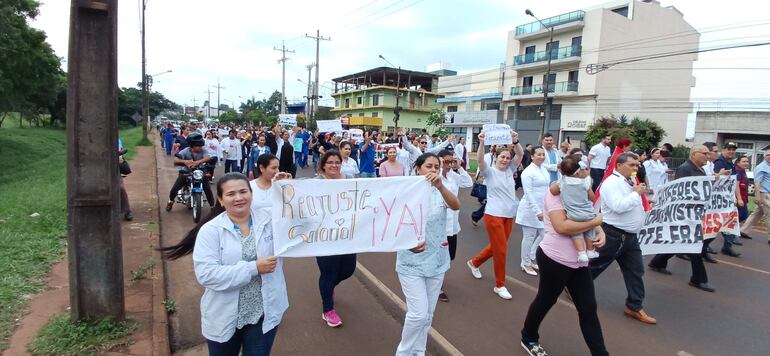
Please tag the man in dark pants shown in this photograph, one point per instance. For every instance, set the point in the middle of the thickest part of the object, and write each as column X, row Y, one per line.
column 623, row 215
column 691, row 168
column 286, row 159
column 187, row 159
column 598, row 158
column 724, row 164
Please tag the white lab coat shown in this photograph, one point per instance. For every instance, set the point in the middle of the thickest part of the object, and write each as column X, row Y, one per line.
column 535, row 182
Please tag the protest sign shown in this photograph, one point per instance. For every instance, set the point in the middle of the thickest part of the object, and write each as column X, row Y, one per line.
column 497, row 134
column 357, row 135
column 287, row 119
column 687, row 211
column 329, row 125
column 722, row 214
column 314, row 217
column 674, row 223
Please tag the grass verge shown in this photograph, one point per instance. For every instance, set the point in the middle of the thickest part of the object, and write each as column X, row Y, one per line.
column 64, row 337
column 32, row 180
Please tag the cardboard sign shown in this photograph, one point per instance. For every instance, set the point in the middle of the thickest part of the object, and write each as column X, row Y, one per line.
column 497, row 134
column 356, row 135
column 287, row 119
column 329, row 126
column 313, row 217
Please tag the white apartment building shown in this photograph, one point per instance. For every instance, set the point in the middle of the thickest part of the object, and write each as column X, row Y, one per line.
column 619, row 31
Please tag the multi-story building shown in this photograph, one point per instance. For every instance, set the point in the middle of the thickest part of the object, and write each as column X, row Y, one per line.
column 367, row 99
column 599, row 65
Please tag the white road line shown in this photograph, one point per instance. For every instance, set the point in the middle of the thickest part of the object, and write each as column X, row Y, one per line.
column 744, row 267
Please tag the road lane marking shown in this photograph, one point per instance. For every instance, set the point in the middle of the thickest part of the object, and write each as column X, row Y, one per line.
column 439, row 339
column 533, row 289
column 744, row 267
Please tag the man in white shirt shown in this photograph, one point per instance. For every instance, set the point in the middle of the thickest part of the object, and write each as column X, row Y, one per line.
column 552, row 158
column 598, row 158
column 231, row 151
column 623, row 216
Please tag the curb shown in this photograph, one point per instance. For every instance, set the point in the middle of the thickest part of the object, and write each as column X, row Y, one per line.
column 437, row 345
column 160, row 341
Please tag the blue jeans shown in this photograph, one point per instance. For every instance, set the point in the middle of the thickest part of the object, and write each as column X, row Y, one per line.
column 479, row 214
column 231, row 165
column 334, row 269
column 169, row 146
column 368, row 175
column 250, row 338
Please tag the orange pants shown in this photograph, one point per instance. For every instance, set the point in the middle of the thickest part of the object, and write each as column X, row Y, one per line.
column 499, row 229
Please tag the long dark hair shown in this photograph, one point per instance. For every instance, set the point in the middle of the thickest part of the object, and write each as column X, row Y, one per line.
column 185, row 247
column 421, row 160
column 262, row 162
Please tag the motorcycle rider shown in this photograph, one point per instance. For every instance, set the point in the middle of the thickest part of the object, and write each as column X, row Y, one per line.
column 189, row 158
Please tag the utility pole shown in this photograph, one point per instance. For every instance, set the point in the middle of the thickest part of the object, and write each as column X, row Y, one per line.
column 309, row 107
column 317, row 39
column 93, row 184
column 545, row 113
column 218, row 88
column 145, row 94
column 283, row 59
column 208, row 106
column 195, row 106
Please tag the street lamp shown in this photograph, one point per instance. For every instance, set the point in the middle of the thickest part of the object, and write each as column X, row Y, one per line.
column 546, row 88
column 397, row 109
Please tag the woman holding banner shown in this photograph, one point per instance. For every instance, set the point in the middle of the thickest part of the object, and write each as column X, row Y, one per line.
column 499, row 212
column 245, row 291
column 421, row 270
column 267, row 171
column 334, row 269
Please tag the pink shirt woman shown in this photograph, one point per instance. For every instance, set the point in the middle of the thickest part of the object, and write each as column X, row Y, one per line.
column 391, row 167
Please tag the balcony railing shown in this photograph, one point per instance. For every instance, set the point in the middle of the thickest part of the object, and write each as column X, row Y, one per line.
column 556, row 53
column 560, row 87
column 551, row 22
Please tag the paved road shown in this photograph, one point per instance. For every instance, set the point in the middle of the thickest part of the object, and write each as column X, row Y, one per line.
column 733, row 321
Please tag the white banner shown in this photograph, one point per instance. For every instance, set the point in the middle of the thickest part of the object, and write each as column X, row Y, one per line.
column 497, row 134
column 313, row 217
column 687, row 211
column 357, row 135
column 329, row 126
column 287, row 119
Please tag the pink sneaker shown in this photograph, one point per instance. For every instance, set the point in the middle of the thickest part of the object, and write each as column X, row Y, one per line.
column 331, row 318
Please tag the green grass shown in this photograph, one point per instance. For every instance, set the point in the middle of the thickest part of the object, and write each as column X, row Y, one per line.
column 63, row 337
column 32, row 180
column 473, row 166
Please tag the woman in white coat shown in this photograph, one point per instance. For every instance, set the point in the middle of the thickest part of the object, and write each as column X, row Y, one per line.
column 657, row 169
column 535, row 180
column 245, row 291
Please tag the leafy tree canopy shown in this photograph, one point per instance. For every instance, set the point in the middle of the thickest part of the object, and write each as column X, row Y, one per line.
column 644, row 133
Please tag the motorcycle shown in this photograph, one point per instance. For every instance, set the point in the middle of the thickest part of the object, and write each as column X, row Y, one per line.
column 191, row 193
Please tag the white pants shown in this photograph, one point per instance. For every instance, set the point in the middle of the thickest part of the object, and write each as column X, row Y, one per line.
column 531, row 237
column 421, row 297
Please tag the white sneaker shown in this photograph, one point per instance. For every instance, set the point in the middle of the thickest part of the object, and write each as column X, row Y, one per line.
column 529, row 270
column 474, row 271
column 592, row 254
column 502, row 292
column 582, row 256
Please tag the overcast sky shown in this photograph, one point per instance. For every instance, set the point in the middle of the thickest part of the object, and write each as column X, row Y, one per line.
column 232, row 41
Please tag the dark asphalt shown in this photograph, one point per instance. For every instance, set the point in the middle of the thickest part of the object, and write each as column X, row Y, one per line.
column 733, row 321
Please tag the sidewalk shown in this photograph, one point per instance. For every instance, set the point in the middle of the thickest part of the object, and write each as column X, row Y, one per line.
column 142, row 297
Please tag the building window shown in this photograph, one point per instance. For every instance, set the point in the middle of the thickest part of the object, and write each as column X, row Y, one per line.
column 360, row 114
column 451, row 108
column 347, row 102
column 376, row 99
column 336, row 102
column 360, row 100
column 491, row 106
column 622, row 11
column 375, row 114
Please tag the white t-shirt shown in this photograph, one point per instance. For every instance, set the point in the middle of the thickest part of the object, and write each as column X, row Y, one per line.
column 501, row 192
column 709, row 168
column 601, row 156
column 259, row 198
column 349, row 168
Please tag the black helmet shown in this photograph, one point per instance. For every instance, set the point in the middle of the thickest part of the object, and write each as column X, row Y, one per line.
column 195, row 139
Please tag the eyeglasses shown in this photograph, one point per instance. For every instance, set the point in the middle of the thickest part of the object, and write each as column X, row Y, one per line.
column 705, row 153
column 334, row 163
column 423, row 142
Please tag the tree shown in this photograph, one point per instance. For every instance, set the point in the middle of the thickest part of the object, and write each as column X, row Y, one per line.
column 644, row 133
column 435, row 122
column 228, row 117
column 30, row 72
column 130, row 102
